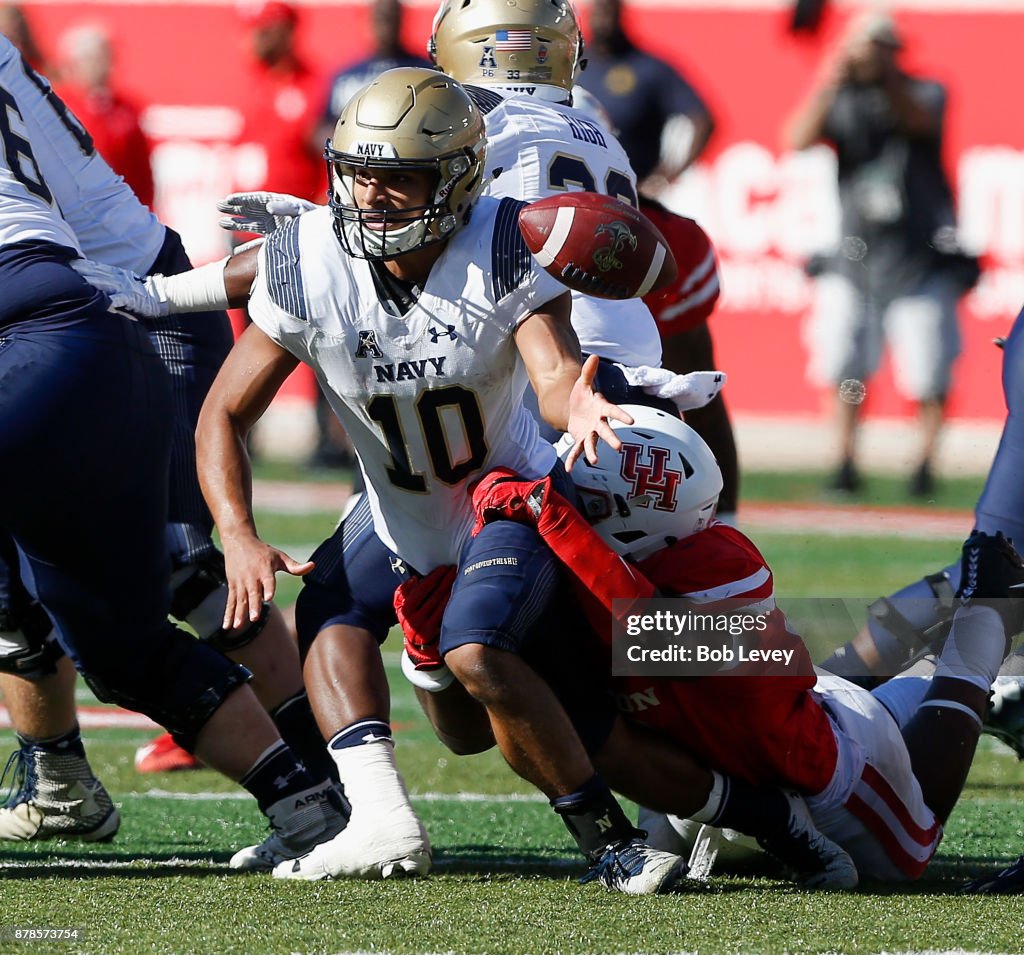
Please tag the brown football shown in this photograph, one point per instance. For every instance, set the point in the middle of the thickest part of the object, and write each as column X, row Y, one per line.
column 597, row 244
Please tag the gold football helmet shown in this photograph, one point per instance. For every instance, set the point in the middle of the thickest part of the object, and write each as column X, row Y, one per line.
column 510, row 43
column 413, row 119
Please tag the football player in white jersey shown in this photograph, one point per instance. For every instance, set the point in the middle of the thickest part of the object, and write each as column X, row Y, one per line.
column 36, row 679
column 423, row 325
column 88, row 410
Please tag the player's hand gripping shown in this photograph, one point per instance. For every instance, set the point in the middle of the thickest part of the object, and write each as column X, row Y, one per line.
column 503, row 495
column 128, row 292
column 420, row 604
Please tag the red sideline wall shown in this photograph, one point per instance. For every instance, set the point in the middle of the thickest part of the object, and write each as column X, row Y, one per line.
column 764, row 208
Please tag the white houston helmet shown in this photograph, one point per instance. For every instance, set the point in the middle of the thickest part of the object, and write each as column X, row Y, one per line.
column 516, row 45
column 662, row 487
column 408, row 118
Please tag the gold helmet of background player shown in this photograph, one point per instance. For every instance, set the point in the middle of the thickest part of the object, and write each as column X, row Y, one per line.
column 409, row 118
column 516, row 44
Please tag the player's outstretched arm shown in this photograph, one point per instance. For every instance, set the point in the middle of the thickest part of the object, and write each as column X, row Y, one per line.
column 564, row 384
column 250, row 377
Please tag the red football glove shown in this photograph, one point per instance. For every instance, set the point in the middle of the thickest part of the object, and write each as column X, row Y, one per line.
column 502, row 495
column 420, row 603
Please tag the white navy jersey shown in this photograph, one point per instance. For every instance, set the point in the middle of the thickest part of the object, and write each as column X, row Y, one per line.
column 28, row 211
column 544, row 149
column 431, row 399
column 62, row 170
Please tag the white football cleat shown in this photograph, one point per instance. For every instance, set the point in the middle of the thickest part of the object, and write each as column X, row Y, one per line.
column 296, row 827
column 634, row 868
column 391, row 848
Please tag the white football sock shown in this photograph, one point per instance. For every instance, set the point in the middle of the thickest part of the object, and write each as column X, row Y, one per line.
column 974, row 649
column 371, row 777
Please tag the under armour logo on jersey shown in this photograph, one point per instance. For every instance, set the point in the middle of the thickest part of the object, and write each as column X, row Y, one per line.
column 487, row 61
column 654, row 480
column 436, row 333
column 368, row 347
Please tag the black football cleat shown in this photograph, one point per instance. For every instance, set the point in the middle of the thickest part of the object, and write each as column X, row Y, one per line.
column 992, row 575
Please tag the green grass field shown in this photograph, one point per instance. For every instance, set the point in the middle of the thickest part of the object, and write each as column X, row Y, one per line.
column 505, row 877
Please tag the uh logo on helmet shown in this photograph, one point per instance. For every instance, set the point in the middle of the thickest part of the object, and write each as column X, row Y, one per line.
column 662, row 487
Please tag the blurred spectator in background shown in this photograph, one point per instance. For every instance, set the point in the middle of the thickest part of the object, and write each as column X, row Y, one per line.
column 281, row 101
column 15, row 26
column 661, row 121
column 333, row 449
column 895, row 275
column 85, row 66
column 281, row 107
column 388, row 54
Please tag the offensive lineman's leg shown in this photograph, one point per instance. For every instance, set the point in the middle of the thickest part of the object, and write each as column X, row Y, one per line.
column 97, row 392
column 43, row 708
column 193, row 347
column 61, row 796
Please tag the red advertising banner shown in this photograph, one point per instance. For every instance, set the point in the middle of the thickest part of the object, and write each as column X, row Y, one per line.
column 765, row 208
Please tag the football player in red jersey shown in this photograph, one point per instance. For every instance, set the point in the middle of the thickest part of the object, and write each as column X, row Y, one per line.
column 682, row 312
column 881, row 772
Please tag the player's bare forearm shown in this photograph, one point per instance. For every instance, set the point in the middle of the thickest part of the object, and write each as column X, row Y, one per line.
column 247, row 382
column 553, row 397
column 551, row 354
column 239, row 274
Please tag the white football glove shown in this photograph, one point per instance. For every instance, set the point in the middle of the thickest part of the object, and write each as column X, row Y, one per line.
column 128, row 292
column 689, row 392
column 261, row 212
